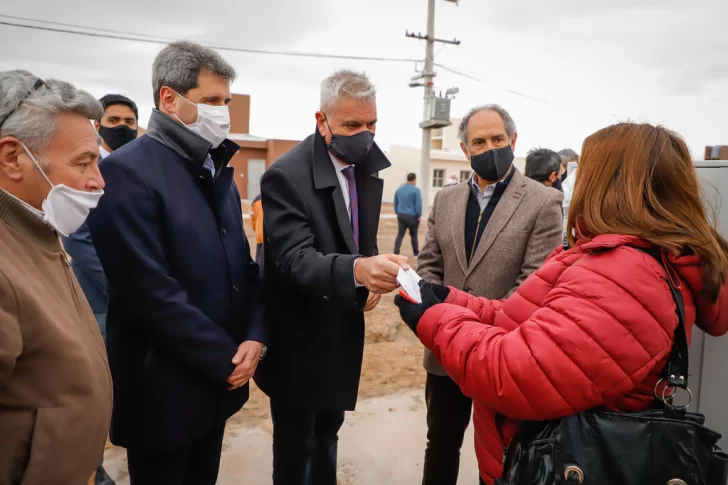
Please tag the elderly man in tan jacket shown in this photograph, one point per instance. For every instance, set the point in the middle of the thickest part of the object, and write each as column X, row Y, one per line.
column 55, row 385
column 484, row 236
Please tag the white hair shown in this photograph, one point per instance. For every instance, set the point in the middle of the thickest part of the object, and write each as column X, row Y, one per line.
column 29, row 113
column 344, row 84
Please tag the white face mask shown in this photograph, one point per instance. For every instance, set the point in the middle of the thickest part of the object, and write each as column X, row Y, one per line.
column 213, row 122
column 66, row 209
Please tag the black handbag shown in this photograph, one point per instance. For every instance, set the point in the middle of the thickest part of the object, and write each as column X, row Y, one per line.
column 662, row 446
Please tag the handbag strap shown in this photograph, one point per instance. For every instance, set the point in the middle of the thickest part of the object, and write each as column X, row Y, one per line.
column 675, row 372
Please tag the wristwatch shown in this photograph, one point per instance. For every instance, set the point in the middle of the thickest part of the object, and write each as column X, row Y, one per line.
column 264, row 352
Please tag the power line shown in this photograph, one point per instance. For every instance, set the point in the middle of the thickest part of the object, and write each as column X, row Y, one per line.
column 128, row 36
column 473, row 78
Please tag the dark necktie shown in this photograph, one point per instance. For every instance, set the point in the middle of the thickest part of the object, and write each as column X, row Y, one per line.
column 353, row 202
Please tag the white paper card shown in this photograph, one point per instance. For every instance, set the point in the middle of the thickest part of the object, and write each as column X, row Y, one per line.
column 409, row 280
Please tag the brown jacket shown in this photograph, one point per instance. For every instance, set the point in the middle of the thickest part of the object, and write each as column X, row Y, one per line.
column 523, row 230
column 55, row 385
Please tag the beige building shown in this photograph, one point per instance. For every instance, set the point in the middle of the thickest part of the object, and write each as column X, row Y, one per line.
column 447, row 159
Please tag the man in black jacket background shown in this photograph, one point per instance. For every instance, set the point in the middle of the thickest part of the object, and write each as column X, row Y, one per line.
column 321, row 205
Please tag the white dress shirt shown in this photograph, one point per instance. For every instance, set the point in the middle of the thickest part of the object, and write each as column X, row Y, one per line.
column 102, row 152
column 339, row 167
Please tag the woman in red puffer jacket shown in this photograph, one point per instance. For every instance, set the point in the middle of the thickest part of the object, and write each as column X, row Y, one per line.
column 594, row 325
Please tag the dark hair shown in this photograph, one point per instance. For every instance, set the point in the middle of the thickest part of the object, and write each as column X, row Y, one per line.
column 541, row 163
column 112, row 99
column 411, row 177
column 179, row 65
column 639, row 180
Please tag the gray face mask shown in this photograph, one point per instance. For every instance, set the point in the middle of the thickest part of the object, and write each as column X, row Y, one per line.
column 352, row 149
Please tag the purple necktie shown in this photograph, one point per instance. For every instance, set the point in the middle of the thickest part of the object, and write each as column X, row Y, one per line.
column 353, row 202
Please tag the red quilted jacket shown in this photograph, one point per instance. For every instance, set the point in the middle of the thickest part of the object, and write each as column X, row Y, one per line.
column 592, row 327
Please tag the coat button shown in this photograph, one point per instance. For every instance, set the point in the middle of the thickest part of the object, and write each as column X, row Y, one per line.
column 224, row 231
column 327, row 298
column 467, row 289
column 235, row 288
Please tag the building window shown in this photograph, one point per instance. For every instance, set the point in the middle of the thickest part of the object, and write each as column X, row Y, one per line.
column 438, row 177
column 465, row 175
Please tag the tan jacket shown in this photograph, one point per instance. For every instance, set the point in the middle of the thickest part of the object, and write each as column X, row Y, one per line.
column 523, row 230
column 55, row 385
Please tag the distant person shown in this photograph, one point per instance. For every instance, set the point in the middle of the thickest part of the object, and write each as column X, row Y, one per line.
column 117, row 127
column 452, row 180
column 484, row 237
column 544, row 166
column 408, row 207
column 55, row 384
column 185, row 328
column 256, row 220
column 567, row 156
column 321, row 203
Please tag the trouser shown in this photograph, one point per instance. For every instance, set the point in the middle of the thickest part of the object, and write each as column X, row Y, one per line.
column 195, row 464
column 405, row 223
column 258, row 249
column 305, row 445
column 448, row 416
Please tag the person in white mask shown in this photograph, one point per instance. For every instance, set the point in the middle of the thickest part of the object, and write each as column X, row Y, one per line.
column 55, row 385
column 184, row 324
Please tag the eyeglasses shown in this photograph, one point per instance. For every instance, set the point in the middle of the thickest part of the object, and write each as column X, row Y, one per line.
column 38, row 83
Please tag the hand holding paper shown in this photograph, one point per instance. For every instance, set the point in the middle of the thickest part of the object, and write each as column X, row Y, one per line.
column 427, row 293
column 410, row 285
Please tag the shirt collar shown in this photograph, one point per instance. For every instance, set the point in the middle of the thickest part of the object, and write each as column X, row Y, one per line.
column 489, row 189
column 338, row 166
column 102, row 152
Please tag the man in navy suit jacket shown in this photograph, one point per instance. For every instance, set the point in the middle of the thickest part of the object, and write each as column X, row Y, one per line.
column 185, row 325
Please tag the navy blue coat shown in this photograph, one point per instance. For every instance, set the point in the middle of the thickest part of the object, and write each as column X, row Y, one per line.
column 183, row 289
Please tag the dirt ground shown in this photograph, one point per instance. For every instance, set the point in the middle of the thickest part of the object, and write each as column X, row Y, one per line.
column 392, row 354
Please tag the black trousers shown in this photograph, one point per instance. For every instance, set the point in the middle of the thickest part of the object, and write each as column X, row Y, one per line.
column 305, row 445
column 195, row 464
column 448, row 416
column 405, row 223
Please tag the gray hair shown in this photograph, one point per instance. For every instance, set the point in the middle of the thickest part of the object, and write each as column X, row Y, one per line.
column 179, row 64
column 346, row 83
column 568, row 155
column 31, row 118
column 505, row 116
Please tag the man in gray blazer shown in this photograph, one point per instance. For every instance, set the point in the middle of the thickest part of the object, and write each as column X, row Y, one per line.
column 485, row 237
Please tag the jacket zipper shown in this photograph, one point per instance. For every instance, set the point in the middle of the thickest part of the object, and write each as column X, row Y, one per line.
column 475, row 238
column 499, row 420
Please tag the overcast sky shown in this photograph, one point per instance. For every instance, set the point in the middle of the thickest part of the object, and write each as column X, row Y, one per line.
column 578, row 67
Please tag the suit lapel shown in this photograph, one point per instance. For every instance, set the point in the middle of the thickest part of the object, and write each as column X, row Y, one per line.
column 460, row 208
column 342, row 216
column 370, row 188
column 507, row 205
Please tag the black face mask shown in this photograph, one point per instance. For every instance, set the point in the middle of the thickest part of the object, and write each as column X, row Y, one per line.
column 494, row 164
column 557, row 185
column 351, row 149
column 118, row 136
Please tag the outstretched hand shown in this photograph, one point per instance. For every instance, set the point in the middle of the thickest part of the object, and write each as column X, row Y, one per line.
column 411, row 313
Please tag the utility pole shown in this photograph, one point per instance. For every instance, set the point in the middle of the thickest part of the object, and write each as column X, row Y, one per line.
column 436, row 111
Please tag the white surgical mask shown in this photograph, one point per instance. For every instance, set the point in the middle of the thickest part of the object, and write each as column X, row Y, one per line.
column 213, row 122
column 66, row 209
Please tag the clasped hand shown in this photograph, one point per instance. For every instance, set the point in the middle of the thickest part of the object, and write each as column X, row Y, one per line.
column 246, row 361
